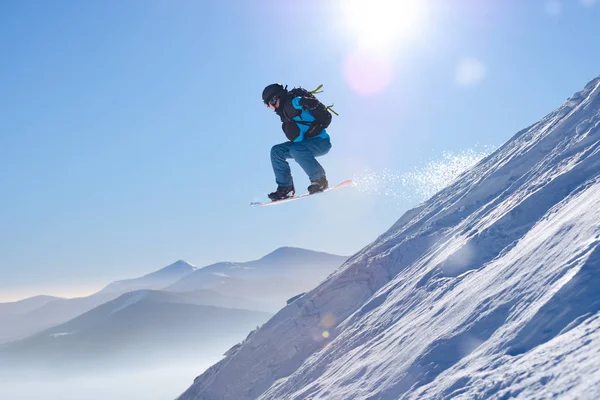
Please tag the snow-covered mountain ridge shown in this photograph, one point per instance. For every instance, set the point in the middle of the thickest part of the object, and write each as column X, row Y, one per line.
column 270, row 280
column 283, row 262
column 487, row 290
column 156, row 280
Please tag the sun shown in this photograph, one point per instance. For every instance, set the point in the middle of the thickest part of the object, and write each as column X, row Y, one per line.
column 381, row 24
column 380, row 31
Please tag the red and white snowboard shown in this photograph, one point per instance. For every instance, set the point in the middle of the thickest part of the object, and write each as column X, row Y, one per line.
column 271, row 203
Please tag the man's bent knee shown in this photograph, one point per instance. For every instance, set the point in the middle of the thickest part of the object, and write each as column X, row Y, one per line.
column 278, row 151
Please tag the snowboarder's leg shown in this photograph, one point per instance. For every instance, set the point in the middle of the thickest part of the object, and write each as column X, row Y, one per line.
column 281, row 168
column 304, row 153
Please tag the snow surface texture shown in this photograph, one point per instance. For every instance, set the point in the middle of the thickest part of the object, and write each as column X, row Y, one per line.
column 487, row 290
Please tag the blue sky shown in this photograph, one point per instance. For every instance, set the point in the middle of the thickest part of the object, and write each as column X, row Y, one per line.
column 132, row 133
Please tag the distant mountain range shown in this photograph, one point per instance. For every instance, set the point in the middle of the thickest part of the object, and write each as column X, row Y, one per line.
column 271, row 279
column 138, row 327
column 24, row 306
column 179, row 303
column 153, row 281
column 26, row 317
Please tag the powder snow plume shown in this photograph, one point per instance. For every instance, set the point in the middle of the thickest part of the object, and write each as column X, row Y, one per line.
column 422, row 182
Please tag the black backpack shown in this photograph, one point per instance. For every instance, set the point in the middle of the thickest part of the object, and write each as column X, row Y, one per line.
column 311, row 103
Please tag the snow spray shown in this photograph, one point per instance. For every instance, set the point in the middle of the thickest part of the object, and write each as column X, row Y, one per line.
column 421, row 183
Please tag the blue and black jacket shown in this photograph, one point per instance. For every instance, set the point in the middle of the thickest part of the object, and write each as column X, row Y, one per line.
column 297, row 121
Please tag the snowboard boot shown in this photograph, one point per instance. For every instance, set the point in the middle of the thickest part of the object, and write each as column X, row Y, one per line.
column 282, row 192
column 318, row 186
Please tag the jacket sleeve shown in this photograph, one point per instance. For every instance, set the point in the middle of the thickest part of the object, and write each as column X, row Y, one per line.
column 291, row 130
column 291, row 109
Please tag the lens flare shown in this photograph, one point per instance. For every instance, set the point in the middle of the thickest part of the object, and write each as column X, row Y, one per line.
column 368, row 72
column 328, row 321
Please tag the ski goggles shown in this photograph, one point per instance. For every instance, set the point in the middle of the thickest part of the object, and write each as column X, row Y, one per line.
column 272, row 101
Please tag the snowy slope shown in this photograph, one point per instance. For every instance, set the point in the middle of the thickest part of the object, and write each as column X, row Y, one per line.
column 487, row 290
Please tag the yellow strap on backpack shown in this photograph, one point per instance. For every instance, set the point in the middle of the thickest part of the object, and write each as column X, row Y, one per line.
column 317, row 90
column 332, row 110
column 320, row 91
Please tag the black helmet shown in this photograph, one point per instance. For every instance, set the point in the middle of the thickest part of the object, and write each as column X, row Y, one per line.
column 274, row 89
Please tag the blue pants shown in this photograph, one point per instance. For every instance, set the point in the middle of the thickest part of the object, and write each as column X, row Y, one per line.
column 304, row 153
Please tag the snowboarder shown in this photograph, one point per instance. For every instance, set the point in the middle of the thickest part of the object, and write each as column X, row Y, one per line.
column 304, row 119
